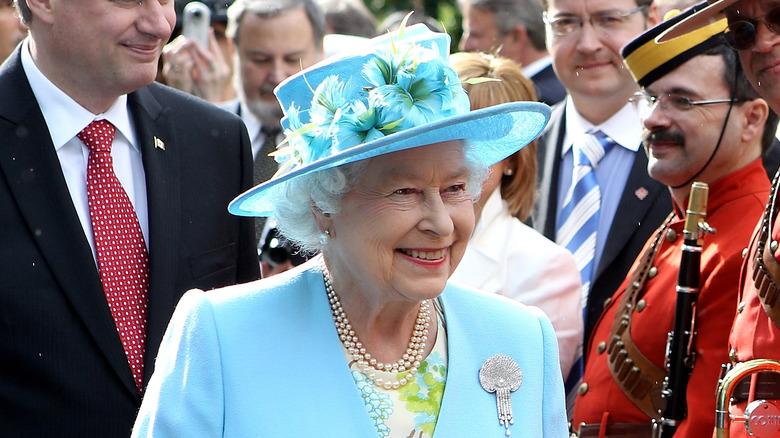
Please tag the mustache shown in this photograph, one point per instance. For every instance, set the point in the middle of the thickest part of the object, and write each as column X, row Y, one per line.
column 662, row 135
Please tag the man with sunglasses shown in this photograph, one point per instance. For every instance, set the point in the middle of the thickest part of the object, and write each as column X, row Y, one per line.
column 584, row 40
column 755, row 332
column 703, row 122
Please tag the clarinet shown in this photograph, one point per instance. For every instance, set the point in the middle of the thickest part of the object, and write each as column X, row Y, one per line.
column 680, row 354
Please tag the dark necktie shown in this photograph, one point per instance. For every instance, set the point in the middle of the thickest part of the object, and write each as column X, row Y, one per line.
column 264, row 168
column 121, row 252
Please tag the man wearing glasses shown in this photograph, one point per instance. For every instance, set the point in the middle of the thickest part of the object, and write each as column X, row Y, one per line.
column 755, row 333
column 703, row 122
column 584, row 40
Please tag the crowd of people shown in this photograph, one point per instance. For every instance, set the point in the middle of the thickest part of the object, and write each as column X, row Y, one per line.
column 322, row 223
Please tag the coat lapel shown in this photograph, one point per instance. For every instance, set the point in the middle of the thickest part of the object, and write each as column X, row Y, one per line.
column 467, row 410
column 636, row 200
column 549, row 153
column 32, row 171
column 319, row 373
column 161, row 153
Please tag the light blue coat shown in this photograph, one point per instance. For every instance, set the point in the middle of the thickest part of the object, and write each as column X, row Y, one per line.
column 263, row 359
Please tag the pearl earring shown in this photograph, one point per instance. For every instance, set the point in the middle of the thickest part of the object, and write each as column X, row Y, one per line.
column 324, row 237
column 509, row 172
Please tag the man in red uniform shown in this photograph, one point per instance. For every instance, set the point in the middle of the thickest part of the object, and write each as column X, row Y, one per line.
column 755, row 333
column 703, row 122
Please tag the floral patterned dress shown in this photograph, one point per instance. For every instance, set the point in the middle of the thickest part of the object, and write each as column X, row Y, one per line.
column 410, row 411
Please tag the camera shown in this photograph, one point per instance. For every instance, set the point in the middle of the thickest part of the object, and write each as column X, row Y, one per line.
column 196, row 22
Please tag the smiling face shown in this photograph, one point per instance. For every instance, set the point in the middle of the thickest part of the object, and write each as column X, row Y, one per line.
column 762, row 62
column 588, row 61
column 402, row 230
column 680, row 143
column 96, row 50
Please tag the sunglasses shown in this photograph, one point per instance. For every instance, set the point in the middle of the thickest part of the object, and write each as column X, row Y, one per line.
column 743, row 32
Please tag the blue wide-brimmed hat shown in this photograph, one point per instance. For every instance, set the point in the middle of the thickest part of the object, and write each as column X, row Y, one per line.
column 395, row 93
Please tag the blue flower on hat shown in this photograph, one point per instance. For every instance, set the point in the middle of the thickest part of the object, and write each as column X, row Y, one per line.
column 415, row 88
column 405, row 89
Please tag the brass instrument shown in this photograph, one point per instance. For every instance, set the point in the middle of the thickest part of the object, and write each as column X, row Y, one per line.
column 755, row 410
column 680, row 352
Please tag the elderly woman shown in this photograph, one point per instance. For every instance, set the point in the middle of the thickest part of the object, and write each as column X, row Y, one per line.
column 505, row 256
column 382, row 162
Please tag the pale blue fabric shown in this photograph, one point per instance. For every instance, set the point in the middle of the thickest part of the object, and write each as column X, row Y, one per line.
column 263, row 360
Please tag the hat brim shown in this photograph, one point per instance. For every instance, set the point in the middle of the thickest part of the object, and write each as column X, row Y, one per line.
column 496, row 132
column 706, row 16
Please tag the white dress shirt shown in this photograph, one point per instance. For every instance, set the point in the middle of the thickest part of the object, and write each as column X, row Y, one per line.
column 625, row 128
column 65, row 118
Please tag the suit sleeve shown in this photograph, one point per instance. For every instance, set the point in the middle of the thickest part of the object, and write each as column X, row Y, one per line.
column 185, row 395
column 248, row 264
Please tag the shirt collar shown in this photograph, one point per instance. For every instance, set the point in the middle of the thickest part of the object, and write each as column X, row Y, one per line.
column 64, row 117
column 252, row 123
column 624, row 127
column 535, row 67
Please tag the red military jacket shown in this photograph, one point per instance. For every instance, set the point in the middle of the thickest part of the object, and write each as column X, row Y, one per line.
column 735, row 204
column 753, row 334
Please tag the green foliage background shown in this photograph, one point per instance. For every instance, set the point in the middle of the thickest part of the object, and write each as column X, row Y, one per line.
column 444, row 11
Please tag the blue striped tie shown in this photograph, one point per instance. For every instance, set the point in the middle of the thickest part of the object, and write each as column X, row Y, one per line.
column 578, row 222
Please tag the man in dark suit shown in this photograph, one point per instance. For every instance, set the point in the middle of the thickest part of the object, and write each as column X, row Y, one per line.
column 64, row 356
column 513, row 29
column 584, row 40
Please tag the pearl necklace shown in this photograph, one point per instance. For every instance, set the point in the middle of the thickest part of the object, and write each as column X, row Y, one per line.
column 368, row 365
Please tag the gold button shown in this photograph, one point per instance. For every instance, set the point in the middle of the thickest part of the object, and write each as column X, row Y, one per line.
column 671, row 235
column 640, row 306
column 583, row 388
column 741, row 307
column 733, row 355
column 773, row 245
column 601, row 347
column 652, row 272
column 607, row 301
column 744, row 253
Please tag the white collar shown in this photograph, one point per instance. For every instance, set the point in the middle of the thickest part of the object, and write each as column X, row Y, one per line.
column 624, row 127
column 64, row 117
column 535, row 67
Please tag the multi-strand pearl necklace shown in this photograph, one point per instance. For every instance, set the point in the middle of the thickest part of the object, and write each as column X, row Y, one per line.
column 368, row 365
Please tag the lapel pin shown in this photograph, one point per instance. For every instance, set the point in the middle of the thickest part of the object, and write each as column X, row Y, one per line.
column 641, row 193
column 501, row 375
column 158, row 144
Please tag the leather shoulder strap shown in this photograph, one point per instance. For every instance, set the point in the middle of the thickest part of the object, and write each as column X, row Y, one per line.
column 766, row 270
column 640, row 380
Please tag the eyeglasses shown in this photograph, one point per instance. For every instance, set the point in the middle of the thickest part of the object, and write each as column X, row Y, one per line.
column 606, row 21
column 743, row 33
column 646, row 103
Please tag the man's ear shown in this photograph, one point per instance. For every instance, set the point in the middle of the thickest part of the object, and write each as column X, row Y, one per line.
column 755, row 113
column 653, row 17
column 515, row 42
column 42, row 10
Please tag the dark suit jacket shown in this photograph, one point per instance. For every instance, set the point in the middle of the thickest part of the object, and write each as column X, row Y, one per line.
column 63, row 371
column 634, row 222
column 548, row 88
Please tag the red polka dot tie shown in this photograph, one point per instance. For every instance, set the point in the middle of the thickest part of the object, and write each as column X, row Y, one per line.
column 121, row 252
